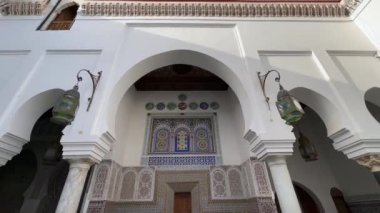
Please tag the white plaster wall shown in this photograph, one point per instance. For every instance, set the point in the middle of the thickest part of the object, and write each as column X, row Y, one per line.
column 368, row 21
column 53, row 69
column 11, row 75
column 235, row 46
column 132, row 121
column 362, row 68
column 124, row 122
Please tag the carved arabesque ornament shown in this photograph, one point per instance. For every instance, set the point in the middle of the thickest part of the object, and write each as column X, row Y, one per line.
column 190, row 9
column 371, row 162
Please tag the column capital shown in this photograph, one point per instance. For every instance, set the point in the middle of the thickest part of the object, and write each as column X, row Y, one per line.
column 81, row 163
column 371, row 162
column 276, row 160
column 354, row 144
column 267, row 145
column 91, row 147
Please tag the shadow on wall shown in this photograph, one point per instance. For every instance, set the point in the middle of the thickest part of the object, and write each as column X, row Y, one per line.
column 372, row 101
column 33, row 180
column 308, row 201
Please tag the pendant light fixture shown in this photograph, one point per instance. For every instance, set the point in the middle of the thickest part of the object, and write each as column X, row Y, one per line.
column 65, row 108
column 289, row 107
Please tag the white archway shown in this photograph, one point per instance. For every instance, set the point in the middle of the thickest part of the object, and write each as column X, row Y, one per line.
column 178, row 57
column 28, row 113
column 18, row 132
column 328, row 112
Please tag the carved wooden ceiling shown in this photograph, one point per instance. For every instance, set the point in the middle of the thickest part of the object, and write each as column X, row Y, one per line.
column 180, row 77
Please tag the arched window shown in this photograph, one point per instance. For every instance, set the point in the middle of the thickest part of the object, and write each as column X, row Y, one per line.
column 128, row 186
column 65, row 19
column 161, row 140
column 182, row 140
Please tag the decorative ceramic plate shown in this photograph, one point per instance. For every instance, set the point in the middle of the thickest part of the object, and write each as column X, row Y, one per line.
column 171, row 106
column 182, row 97
column 193, row 106
column 149, row 106
column 214, row 105
column 203, row 105
column 182, row 106
column 160, row 106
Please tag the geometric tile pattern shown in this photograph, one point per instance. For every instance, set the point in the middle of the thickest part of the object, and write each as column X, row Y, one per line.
column 144, row 190
column 181, row 135
column 182, row 161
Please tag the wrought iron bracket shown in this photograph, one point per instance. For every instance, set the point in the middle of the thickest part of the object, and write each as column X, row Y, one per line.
column 95, row 79
column 263, row 78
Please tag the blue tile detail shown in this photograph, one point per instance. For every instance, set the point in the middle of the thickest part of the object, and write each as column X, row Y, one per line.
column 185, row 161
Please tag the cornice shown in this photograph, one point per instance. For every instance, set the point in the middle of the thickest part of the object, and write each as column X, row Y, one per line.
column 93, row 149
column 197, row 9
column 263, row 148
column 10, row 145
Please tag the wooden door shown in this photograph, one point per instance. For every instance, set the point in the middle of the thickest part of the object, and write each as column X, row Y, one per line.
column 182, row 202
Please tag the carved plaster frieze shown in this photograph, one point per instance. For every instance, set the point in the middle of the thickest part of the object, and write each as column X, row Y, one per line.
column 22, row 7
column 214, row 9
column 371, row 162
column 124, row 8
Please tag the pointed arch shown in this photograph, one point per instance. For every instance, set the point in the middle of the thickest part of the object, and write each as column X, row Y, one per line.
column 325, row 108
column 22, row 121
column 188, row 57
column 29, row 112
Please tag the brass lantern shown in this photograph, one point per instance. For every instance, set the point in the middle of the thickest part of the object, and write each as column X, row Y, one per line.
column 288, row 107
column 307, row 149
column 65, row 108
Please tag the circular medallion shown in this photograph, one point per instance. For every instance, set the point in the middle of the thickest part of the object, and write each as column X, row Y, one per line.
column 202, row 144
column 182, row 106
column 162, row 134
column 201, row 134
column 149, row 106
column 160, row 106
column 218, row 176
column 193, row 106
column 161, row 145
column 214, row 105
column 182, row 97
column 171, row 106
column 203, row 105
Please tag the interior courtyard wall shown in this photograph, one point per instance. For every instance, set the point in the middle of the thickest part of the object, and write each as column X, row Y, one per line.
column 317, row 176
column 114, row 46
column 124, row 114
column 358, row 66
column 332, row 169
column 132, row 123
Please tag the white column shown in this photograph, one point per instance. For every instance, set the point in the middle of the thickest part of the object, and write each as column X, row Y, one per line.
column 72, row 191
column 283, row 184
